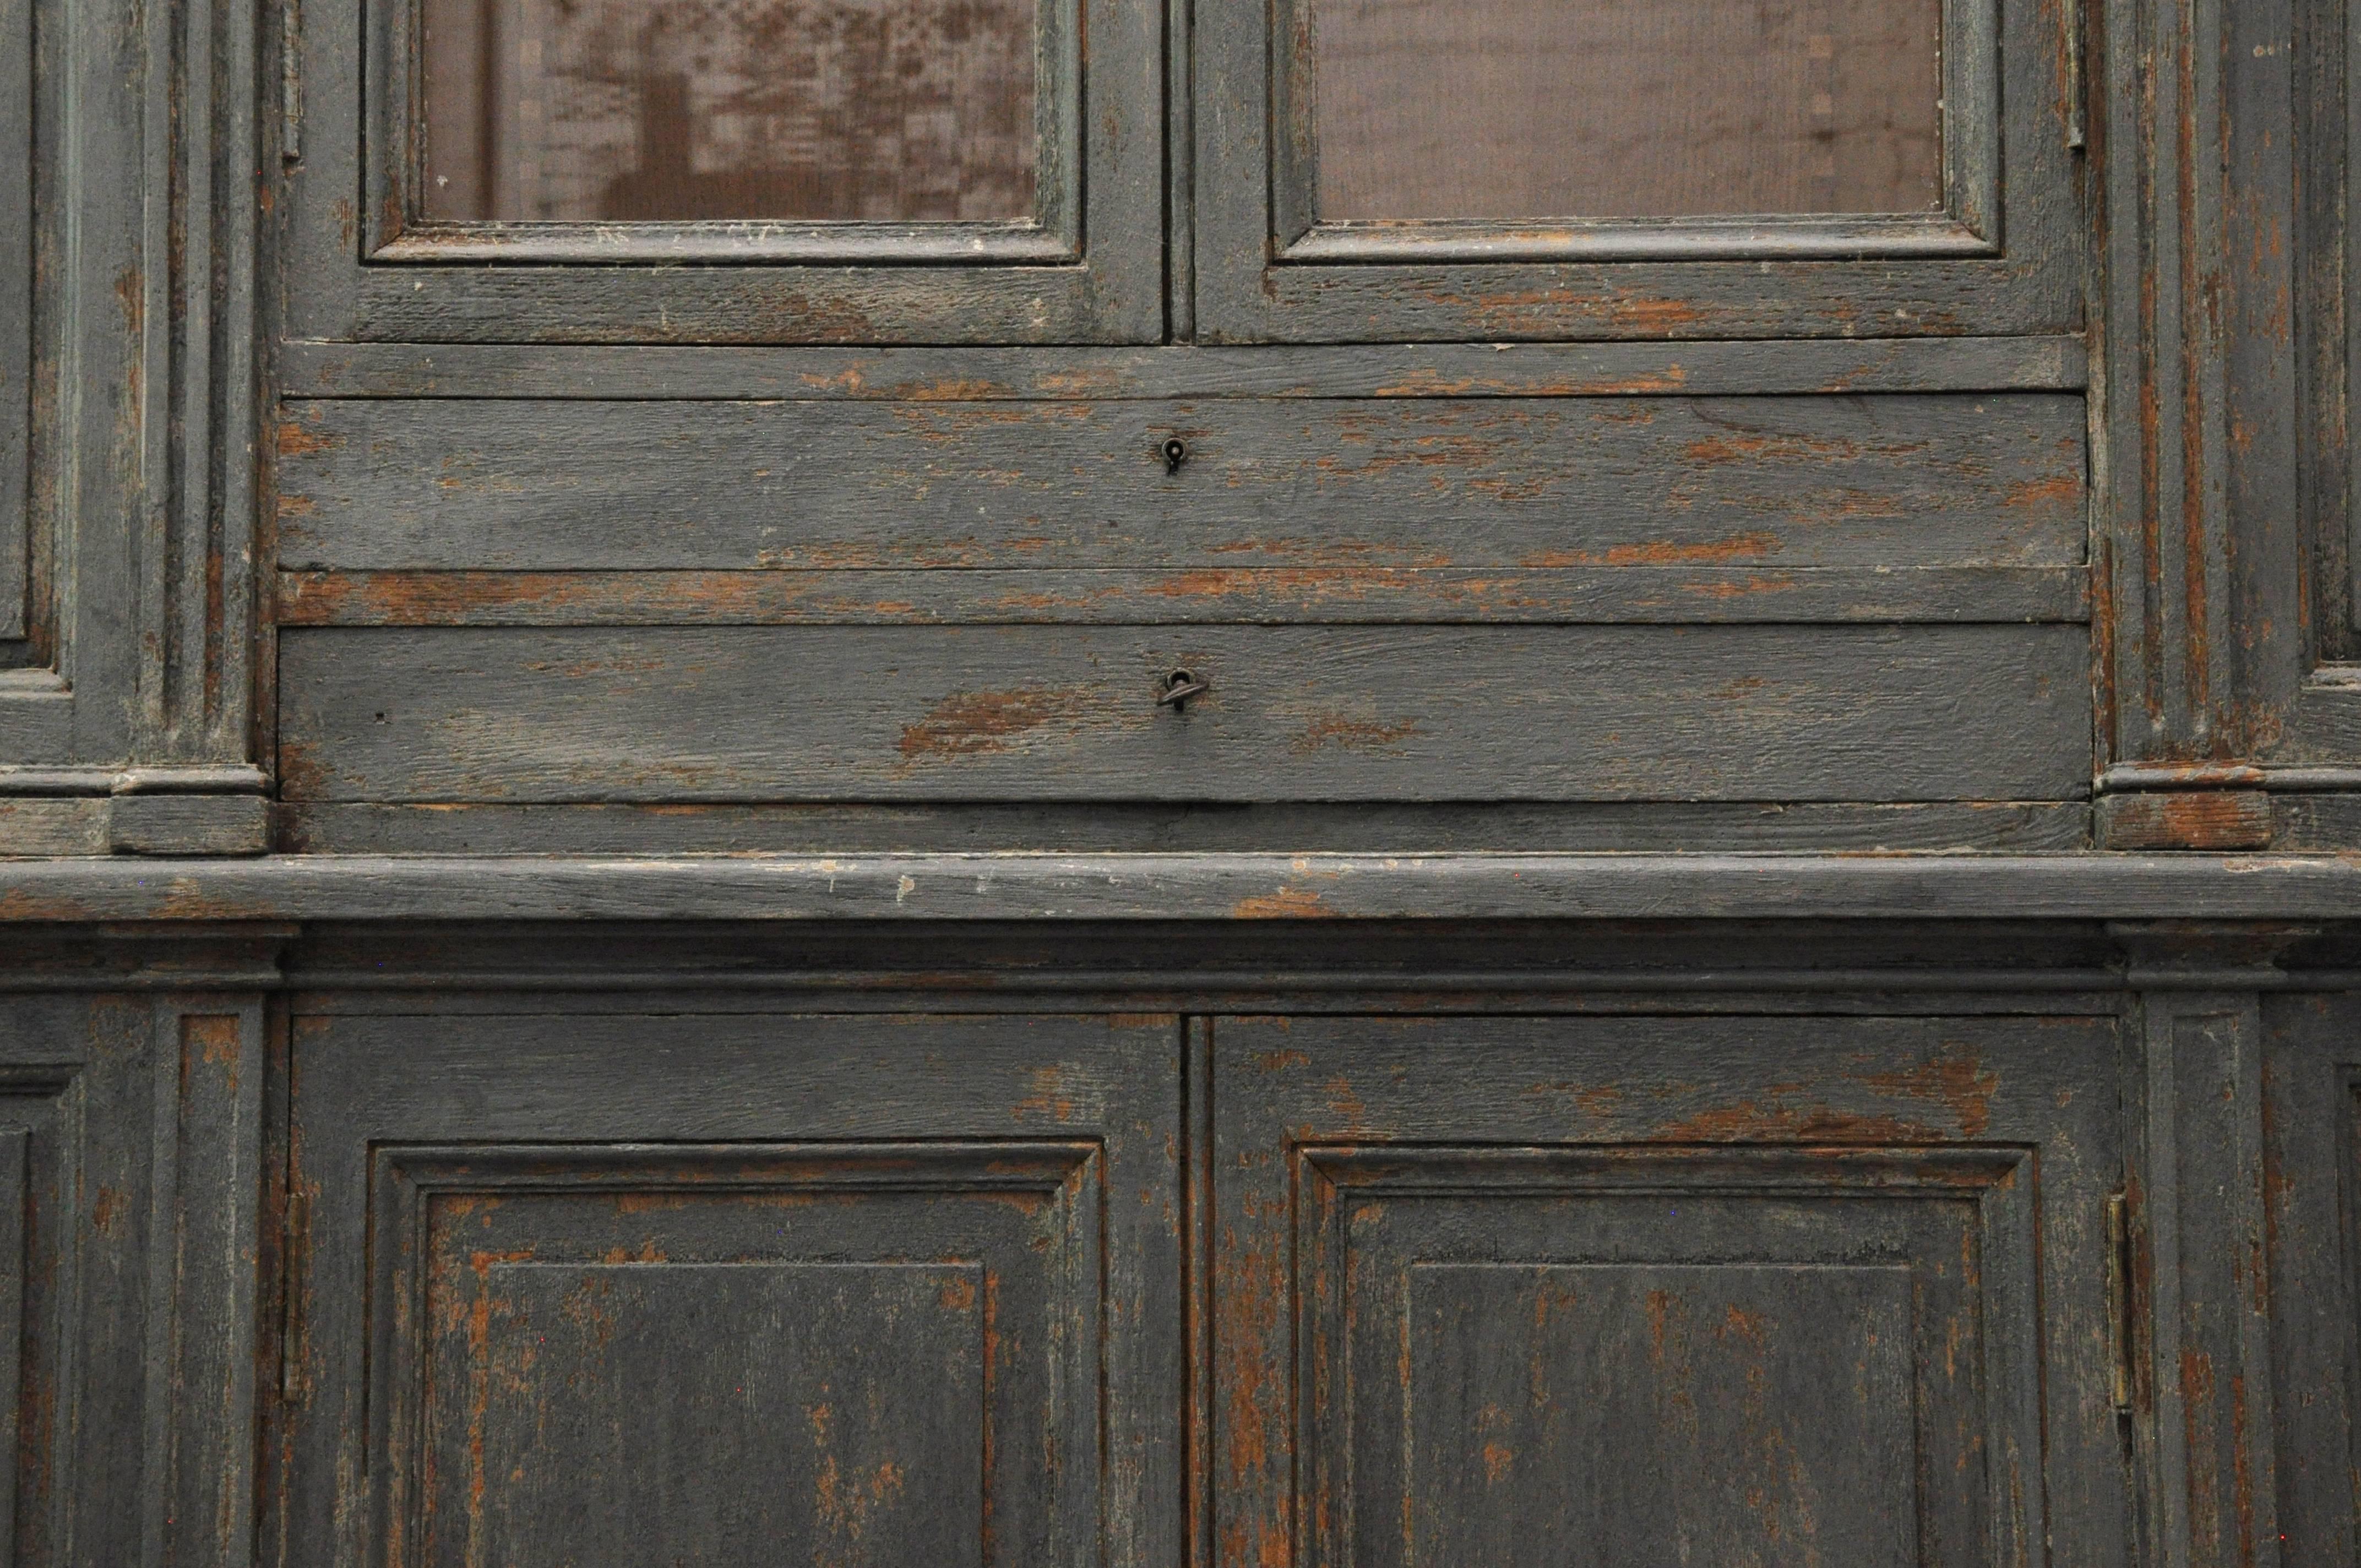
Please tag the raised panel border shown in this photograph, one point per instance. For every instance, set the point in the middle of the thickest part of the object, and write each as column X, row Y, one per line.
column 1448, row 286
column 349, row 276
column 2001, row 1179
column 1968, row 224
column 127, row 393
column 395, row 233
column 405, row 1178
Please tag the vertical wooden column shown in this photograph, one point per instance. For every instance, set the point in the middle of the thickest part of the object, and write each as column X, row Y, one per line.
column 204, row 1282
column 2197, row 433
column 2200, row 1298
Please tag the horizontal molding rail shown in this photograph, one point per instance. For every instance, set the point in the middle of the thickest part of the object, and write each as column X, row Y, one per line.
column 1168, row 887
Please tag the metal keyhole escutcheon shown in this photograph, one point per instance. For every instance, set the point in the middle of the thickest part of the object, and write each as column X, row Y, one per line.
column 1178, row 688
column 1176, row 452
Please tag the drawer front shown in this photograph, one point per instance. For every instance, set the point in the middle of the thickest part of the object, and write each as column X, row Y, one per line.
column 1950, row 479
column 1466, row 713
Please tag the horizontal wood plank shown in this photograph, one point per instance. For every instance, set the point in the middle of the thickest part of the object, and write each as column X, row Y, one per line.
column 1909, row 480
column 1950, row 889
column 365, row 828
column 947, row 713
column 1630, row 595
column 605, row 372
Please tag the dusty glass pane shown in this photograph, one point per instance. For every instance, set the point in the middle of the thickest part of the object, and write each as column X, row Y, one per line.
column 1624, row 108
column 556, row 110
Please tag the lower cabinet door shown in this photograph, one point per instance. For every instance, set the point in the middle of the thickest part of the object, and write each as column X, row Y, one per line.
column 1633, row 1292
column 733, row 1291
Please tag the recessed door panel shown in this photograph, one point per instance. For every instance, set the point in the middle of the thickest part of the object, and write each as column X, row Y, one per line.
column 573, row 1291
column 1659, row 1291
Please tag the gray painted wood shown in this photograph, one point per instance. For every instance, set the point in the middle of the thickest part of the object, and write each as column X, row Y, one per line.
column 2008, row 81
column 210, row 1072
column 756, row 714
column 17, row 174
column 2203, row 1377
column 2057, row 364
column 989, row 1200
column 39, row 827
column 2310, row 1076
column 127, row 391
column 1874, row 481
column 189, row 825
column 352, row 275
column 1206, row 886
column 1615, row 1217
column 1687, row 596
column 357, row 829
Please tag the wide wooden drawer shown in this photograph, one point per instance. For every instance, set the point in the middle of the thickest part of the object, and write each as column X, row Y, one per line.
column 1468, row 713
column 420, row 485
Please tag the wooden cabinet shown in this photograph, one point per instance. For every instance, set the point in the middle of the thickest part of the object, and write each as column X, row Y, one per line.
column 1503, row 170
column 898, row 1285
column 1656, row 1289
column 553, row 528
column 894, row 1288
column 736, row 124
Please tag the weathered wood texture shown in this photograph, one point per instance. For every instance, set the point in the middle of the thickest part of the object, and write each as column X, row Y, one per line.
column 372, row 268
column 2202, row 255
column 18, row 165
column 130, row 1173
column 1198, row 886
column 361, row 828
column 2200, row 1278
column 1888, row 482
column 935, row 1253
column 2052, row 364
column 127, row 391
column 1643, row 595
column 2189, row 819
column 2004, row 257
column 756, row 714
column 1742, row 1272
column 2311, row 1119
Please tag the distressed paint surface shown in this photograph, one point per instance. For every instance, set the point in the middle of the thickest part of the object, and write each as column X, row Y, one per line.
column 752, row 714
column 1632, row 1173
column 1895, row 481
column 885, row 1287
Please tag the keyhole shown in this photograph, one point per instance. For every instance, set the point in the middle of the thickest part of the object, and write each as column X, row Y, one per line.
column 1176, row 452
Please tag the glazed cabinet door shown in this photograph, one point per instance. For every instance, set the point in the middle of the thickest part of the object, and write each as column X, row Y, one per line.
column 1656, row 1292
column 693, row 172
column 1494, row 169
column 707, row 1290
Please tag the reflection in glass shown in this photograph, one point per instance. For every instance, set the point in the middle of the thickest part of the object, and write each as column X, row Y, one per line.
column 1624, row 108
column 556, row 110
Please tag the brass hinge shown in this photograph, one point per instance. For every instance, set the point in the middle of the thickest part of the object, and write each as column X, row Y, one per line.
column 2119, row 1294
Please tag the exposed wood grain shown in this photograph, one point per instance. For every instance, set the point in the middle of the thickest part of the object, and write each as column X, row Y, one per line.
column 2202, row 1373
column 2311, row 1071
column 360, row 828
column 966, row 375
column 17, row 176
column 2005, row 96
column 1100, row 124
column 71, row 827
column 941, row 1246
column 1046, row 886
column 1905, row 480
column 947, row 713
column 1429, row 1282
column 1617, row 594
column 2188, row 819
